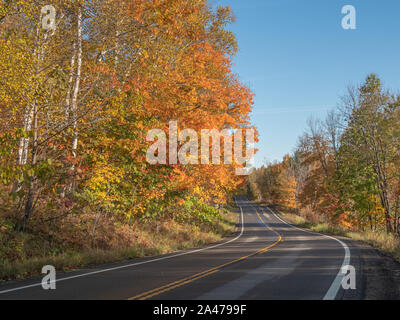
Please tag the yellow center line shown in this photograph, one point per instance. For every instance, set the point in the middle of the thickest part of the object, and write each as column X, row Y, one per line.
column 151, row 293
column 174, row 286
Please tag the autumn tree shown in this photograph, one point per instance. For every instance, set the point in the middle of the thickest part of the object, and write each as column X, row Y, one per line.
column 78, row 100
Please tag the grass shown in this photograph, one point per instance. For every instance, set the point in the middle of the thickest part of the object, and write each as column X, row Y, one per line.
column 387, row 243
column 166, row 237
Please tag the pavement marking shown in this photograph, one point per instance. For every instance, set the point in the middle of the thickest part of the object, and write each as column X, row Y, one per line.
column 133, row 264
column 337, row 283
column 157, row 291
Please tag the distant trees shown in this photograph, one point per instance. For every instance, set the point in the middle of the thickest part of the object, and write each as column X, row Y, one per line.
column 346, row 168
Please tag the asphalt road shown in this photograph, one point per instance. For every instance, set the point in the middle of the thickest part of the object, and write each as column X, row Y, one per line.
column 266, row 259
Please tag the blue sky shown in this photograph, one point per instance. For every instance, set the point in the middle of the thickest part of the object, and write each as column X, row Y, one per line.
column 298, row 60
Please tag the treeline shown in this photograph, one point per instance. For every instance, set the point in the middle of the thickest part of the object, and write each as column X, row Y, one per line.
column 77, row 100
column 346, row 168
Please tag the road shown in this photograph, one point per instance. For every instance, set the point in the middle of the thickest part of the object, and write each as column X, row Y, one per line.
column 265, row 259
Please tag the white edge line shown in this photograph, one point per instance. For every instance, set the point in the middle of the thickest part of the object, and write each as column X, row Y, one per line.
column 337, row 283
column 134, row 264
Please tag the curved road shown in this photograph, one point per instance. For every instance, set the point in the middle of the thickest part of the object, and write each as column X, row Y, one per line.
column 266, row 259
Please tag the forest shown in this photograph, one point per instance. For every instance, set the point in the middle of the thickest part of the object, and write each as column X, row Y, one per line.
column 345, row 170
column 81, row 84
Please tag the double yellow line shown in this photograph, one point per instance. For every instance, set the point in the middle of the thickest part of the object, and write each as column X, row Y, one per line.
column 155, row 292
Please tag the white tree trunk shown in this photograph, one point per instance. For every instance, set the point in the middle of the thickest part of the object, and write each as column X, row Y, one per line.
column 74, row 103
column 70, row 83
column 24, row 142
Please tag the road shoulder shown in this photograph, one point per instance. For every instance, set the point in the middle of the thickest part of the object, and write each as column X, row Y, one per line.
column 378, row 273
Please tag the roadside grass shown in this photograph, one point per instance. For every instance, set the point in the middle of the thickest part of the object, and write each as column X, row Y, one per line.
column 387, row 243
column 166, row 237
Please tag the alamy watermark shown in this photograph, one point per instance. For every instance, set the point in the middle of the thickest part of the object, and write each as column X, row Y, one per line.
column 184, row 147
column 49, row 280
column 349, row 21
column 48, row 14
column 188, row 153
column 349, row 280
